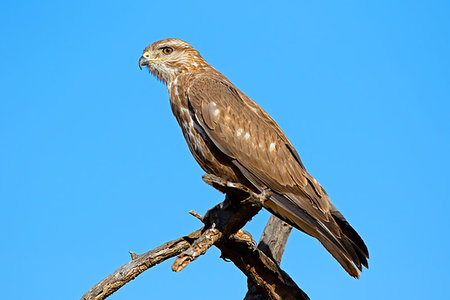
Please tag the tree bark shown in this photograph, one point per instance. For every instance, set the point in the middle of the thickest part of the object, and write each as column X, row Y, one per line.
column 221, row 224
column 137, row 265
column 272, row 243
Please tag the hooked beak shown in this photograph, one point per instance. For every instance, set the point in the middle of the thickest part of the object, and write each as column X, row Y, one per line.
column 144, row 61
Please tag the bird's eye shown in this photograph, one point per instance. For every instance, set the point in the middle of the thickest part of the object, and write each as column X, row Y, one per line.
column 167, row 50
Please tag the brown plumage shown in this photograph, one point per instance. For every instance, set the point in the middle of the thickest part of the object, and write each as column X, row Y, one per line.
column 232, row 137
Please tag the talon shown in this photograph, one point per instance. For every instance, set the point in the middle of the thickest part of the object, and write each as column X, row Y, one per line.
column 246, row 236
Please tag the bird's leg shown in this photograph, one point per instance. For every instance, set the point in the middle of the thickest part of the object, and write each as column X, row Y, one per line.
column 224, row 220
column 237, row 190
column 253, row 198
column 238, row 194
column 246, row 236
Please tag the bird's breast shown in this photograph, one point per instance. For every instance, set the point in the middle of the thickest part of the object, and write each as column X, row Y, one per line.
column 210, row 159
column 193, row 134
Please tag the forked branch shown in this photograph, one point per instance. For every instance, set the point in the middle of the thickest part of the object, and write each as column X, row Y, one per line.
column 221, row 223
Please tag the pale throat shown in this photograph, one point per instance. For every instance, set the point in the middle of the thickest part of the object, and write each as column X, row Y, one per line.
column 169, row 71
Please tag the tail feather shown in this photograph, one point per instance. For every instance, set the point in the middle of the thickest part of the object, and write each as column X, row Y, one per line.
column 335, row 234
column 339, row 255
column 352, row 236
column 348, row 247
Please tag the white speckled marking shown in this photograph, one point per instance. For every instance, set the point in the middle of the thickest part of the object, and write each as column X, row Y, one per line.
column 272, row 147
column 247, row 136
column 239, row 132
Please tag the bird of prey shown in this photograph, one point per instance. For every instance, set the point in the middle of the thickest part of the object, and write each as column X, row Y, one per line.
column 232, row 137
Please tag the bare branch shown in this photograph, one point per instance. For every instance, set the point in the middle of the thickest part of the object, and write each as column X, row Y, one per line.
column 274, row 238
column 220, row 226
column 224, row 219
column 199, row 247
column 271, row 281
column 272, row 243
column 139, row 264
column 197, row 215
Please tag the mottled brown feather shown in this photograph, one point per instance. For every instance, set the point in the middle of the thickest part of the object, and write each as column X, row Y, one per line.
column 232, row 137
column 278, row 169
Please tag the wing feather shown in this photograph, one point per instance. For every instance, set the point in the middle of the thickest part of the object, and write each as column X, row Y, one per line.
column 257, row 146
column 245, row 132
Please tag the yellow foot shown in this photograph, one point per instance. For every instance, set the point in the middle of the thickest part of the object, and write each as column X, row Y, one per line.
column 246, row 236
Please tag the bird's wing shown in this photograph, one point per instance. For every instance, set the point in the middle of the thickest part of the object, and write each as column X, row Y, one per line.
column 246, row 133
column 242, row 130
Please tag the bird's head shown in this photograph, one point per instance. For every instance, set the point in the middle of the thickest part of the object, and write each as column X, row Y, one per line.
column 169, row 58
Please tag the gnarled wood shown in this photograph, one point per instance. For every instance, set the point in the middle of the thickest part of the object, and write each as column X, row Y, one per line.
column 272, row 243
column 137, row 265
column 220, row 225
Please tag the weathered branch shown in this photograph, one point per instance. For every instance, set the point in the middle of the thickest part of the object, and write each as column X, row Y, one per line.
column 137, row 265
column 274, row 238
column 272, row 243
column 220, row 226
column 224, row 219
column 271, row 281
column 199, row 247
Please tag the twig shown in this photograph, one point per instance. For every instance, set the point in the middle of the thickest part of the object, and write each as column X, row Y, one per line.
column 197, row 215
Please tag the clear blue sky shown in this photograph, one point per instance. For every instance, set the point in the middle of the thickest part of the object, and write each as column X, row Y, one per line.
column 93, row 164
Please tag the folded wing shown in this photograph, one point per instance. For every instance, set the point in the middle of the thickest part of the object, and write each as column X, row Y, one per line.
column 243, row 131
